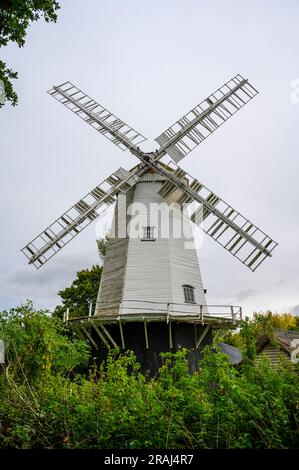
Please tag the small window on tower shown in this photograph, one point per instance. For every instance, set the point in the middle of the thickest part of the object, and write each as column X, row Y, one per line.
column 148, row 233
column 189, row 294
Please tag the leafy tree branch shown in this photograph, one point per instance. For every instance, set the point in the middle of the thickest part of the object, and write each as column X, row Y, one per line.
column 15, row 18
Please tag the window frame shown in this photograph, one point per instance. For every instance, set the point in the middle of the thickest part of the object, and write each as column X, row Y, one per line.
column 148, row 233
column 189, row 294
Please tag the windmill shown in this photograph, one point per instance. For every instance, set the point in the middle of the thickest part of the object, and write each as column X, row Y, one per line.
column 151, row 297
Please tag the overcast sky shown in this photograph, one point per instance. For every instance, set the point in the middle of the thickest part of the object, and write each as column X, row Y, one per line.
column 150, row 62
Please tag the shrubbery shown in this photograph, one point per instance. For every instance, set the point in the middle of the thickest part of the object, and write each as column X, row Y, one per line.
column 50, row 398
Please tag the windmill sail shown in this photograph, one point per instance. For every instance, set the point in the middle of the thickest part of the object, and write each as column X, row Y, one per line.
column 102, row 120
column 225, row 225
column 193, row 128
column 79, row 216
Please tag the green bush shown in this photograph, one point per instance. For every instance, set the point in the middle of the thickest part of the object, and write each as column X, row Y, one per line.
column 47, row 401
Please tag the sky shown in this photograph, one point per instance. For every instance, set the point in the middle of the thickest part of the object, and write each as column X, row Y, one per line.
column 150, row 62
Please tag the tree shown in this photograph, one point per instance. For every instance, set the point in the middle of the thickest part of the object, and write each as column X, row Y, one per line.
column 81, row 293
column 102, row 245
column 15, row 18
column 84, row 289
column 36, row 343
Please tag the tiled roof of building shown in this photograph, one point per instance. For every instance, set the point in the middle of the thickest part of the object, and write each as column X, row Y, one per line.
column 281, row 345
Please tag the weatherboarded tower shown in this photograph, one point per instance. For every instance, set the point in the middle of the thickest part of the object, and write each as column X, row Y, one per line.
column 151, row 261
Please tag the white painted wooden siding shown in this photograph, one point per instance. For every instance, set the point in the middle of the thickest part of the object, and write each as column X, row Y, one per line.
column 157, row 270
column 148, row 271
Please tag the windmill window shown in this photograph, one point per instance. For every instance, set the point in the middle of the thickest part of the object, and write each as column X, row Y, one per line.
column 189, row 294
column 148, row 234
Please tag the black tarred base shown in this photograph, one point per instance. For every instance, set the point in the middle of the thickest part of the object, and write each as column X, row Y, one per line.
column 184, row 335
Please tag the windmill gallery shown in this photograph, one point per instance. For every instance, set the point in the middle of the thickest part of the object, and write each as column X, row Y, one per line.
column 151, row 297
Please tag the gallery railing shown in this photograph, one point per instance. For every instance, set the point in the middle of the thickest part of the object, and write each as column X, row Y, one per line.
column 140, row 309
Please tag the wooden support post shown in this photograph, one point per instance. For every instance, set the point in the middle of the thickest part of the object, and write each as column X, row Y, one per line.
column 120, row 309
column 108, row 335
column 89, row 337
column 145, row 334
column 79, row 333
column 170, row 336
column 2, row 352
column 121, row 335
column 233, row 314
column 101, row 336
column 202, row 336
column 90, row 309
column 201, row 314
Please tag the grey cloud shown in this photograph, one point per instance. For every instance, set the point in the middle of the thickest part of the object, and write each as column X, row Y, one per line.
column 244, row 294
column 42, row 286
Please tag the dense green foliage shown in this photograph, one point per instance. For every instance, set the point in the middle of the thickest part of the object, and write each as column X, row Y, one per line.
column 15, row 18
column 48, row 399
